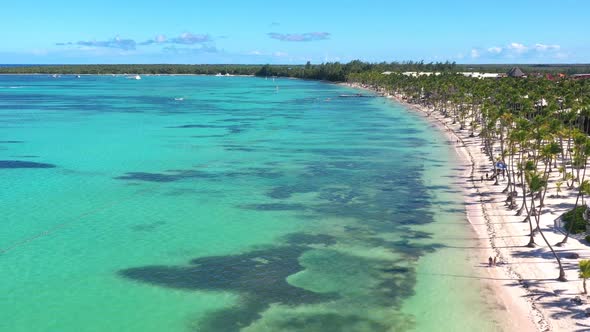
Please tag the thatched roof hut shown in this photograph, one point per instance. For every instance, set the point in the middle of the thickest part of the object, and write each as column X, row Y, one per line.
column 515, row 72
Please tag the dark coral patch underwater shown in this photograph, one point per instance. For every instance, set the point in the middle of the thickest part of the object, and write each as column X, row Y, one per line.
column 259, row 276
column 23, row 164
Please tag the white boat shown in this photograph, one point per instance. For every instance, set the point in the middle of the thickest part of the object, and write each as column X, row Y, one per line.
column 219, row 74
column 137, row 77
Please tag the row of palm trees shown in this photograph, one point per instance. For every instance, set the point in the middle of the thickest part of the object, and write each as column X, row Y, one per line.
column 530, row 128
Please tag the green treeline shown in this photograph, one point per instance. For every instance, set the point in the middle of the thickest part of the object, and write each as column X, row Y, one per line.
column 331, row 71
column 338, row 72
column 133, row 69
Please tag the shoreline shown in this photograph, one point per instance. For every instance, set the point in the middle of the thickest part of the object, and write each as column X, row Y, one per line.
column 523, row 287
column 524, row 316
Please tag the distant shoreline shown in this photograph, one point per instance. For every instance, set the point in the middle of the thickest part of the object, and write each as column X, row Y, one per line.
column 328, row 71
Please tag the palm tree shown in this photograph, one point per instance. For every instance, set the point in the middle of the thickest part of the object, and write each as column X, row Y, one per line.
column 558, row 185
column 527, row 168
column 583, row 151
column 524, row 122
column 584, row 272
column 538, row 183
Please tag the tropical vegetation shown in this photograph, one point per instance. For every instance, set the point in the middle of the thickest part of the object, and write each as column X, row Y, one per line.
column 584, row 272
column 531, row 129
column 574, row 220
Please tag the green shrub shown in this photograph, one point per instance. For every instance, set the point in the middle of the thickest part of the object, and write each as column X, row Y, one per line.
column 587, row 238
column 575, row 216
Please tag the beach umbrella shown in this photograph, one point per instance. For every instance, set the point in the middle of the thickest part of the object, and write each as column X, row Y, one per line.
column 500, row 165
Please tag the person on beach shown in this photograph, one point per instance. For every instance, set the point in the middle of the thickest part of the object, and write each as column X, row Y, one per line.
column 486, row 176
column 481, row 179
column 490, row 261
column 495, row 257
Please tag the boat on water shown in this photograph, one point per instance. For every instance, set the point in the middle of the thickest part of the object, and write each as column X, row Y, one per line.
column 219, row 74
column 137, row 77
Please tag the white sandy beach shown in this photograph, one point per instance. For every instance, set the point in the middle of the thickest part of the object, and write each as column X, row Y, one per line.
column 523, row 288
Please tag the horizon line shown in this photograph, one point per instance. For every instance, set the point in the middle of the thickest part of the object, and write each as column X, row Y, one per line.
column 405, row 62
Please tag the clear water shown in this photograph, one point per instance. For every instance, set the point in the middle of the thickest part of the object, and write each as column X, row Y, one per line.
column 225, row 204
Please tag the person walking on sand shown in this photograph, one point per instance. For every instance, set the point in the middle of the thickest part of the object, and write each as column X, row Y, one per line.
column 490, row 261
column 495, row 257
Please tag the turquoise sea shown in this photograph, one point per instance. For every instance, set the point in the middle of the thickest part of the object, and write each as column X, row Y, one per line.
column 194, row 203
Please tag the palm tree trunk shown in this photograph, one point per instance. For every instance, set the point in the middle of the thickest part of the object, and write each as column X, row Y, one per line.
column 524, row 205
column 571, row 225
column 537, row 219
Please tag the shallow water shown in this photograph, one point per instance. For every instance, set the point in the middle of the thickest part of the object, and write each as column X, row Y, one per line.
column 226, row 204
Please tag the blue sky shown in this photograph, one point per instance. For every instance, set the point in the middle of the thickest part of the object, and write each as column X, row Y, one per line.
column 255, row 31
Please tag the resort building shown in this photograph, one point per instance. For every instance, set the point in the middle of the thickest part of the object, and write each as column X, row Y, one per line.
column 481, row 75
column 580, row 76
column 421, row 73
column 516, row 72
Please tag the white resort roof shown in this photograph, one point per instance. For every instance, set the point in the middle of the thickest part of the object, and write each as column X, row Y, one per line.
column 427, row 73
column 480, row 75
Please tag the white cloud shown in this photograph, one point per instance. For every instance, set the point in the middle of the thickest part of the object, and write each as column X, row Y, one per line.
column 186, row 38
column 300, row 37
column 280, row 54
column 495, row 50
column 544, row 47
column 196, row 49
column 561, row 55
column 518, row 48
column 39, row 51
